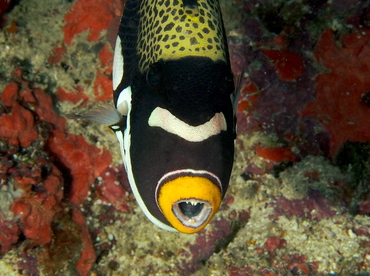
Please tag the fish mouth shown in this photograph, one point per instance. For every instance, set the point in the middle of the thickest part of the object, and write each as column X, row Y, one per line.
column 188, row 199
column 192, row 212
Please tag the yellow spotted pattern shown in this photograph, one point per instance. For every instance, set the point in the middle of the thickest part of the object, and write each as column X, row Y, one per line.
column 168, row 30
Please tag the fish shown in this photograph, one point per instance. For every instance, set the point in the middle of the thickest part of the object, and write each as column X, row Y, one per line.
column 174, row 95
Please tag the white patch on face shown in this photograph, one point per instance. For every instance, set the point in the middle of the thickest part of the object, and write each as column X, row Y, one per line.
column 122, row 108
column 117, row 64
column 124, row 99
column 164, row 119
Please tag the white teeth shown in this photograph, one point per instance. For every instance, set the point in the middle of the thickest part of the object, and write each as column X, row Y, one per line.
column 193, row 221
column 192, row 202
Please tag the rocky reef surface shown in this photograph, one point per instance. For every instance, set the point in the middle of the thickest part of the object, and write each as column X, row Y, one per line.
column 299, row 196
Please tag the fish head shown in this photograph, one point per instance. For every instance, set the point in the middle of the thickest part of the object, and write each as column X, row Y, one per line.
column 181, row 145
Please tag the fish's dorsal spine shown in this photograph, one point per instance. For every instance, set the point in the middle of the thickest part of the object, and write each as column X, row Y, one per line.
column 172, row 29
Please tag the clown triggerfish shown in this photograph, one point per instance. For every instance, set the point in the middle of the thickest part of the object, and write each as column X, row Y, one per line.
column 174, row 91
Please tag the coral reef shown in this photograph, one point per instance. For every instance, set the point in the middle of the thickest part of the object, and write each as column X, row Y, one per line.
column 340, row 103
column 299, row 196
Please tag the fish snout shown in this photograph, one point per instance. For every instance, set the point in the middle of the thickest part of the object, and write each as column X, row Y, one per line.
column 189, row 199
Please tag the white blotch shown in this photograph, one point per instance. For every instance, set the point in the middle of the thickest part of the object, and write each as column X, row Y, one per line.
column 117, row 64
column 164, row 119
column 122, row 108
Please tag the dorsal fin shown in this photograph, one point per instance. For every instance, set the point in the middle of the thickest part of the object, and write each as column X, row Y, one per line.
column 238, row 80
column 112, row 31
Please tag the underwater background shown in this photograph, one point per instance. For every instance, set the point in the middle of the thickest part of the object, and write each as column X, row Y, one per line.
column 299, row 195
